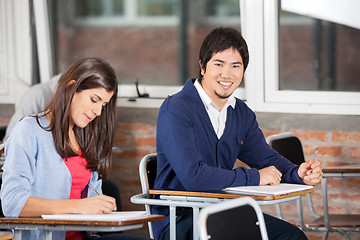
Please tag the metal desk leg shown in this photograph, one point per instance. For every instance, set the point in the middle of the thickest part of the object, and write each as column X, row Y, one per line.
column 300, row 213
column 48, row 235
column 17, row 234
column 325, row 203
column 326, row 212
column 278, row 210
column 345, row 235
column 195, row 227
column 309, row 199
column 325, row 235
column 172, row 223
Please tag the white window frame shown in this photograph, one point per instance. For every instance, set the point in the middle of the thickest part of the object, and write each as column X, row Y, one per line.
column 43, row 40
column 130, row 18
column 260, row 29
column 3, row 72
column 259, row 19
column 157, row 95
column 16, row 55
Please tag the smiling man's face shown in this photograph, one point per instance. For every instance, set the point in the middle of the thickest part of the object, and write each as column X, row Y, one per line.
column 223, row 75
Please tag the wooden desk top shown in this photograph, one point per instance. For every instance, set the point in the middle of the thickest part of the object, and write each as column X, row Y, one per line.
column 6, row 235
column 226, row 195
column 353, row 168
column 42, row 221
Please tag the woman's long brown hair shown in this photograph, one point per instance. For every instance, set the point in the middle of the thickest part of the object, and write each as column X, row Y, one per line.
column 96, row 139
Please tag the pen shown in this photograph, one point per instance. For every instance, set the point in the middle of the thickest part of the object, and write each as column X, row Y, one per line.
column 94, row 189
column 316, row 150
column 315, row 154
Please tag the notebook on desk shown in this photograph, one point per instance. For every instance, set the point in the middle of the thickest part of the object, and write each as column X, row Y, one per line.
column 113, row 216
column 282, row 188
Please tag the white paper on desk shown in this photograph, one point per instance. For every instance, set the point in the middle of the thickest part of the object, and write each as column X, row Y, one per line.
column 113, row 216
column 282, row 188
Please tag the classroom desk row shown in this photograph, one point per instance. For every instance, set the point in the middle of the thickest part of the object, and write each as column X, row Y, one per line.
column 174, row 199
column 198, row 200
column 48, row 225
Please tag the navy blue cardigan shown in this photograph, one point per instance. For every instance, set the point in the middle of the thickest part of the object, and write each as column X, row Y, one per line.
column 190, row 157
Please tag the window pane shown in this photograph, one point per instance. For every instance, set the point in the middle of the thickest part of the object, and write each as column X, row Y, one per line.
column 2, row 87
column 318, row 55
column 98, row 8
column 222, row 8
column 157, row 7
column 155, row 52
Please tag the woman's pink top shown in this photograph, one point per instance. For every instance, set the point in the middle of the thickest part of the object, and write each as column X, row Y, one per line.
column 80, row 177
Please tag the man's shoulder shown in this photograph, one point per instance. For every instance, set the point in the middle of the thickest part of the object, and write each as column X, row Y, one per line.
column 179, row 103
column 173, row 104
column 240, row 104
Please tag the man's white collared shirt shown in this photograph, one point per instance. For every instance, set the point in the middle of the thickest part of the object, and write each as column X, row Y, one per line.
column 217, row 118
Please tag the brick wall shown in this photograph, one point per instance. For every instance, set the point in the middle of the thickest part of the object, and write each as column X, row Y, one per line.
column 334, row 148
column 135, row 141
column 138, row 138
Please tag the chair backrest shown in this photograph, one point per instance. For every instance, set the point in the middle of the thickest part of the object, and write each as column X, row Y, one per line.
column 288, row 145
column 2, row 131
column 239, row 218
column 147, row 172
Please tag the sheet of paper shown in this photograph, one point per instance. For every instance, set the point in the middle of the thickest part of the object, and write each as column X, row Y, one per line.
column 113, row 216
column 282, row 188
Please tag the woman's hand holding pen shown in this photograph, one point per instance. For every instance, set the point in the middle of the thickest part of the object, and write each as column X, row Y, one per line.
column 35, row 207
column 97, row 205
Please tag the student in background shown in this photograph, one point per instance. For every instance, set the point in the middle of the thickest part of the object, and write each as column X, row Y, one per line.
column 55, row 160
column 203, row 129
column 34, row 100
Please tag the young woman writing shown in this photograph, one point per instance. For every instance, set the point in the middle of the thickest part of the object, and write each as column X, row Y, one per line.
column 53, row 157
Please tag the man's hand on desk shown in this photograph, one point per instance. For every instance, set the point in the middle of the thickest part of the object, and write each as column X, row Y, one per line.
column 269, row 176
column 310, row 172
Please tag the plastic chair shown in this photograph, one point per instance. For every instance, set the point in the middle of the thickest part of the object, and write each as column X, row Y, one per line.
column 147, row 172
column 289, row 146
column 240, row 218
column 2, row 131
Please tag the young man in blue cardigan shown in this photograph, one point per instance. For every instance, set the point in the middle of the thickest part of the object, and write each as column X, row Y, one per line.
column 203, row 129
